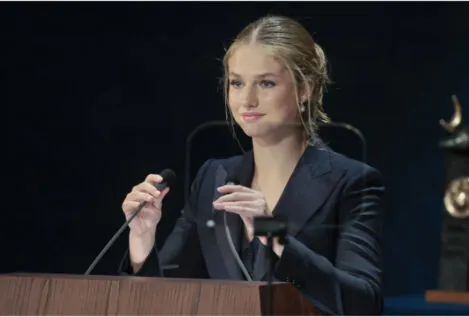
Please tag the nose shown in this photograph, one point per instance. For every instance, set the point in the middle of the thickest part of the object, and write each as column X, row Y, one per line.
column 249, row 97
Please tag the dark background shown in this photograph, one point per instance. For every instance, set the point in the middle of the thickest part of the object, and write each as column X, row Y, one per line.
column 97, row 95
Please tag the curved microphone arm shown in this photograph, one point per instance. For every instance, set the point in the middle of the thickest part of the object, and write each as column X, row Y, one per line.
column 187, row 193
column 187, row 167
column 354, row 130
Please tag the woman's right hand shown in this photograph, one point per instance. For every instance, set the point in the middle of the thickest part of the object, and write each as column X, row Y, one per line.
column 143, row 226
column 148, row 218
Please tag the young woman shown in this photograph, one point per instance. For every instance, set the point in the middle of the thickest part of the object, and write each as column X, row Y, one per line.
column 275, row 75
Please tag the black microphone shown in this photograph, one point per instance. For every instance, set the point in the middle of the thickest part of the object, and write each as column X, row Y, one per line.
column 169, row 177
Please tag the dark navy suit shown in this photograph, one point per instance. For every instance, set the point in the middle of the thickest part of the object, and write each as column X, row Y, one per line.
column 332, row 252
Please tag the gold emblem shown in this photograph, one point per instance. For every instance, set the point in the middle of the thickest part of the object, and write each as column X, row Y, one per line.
column 457, row 197
column 456, row 120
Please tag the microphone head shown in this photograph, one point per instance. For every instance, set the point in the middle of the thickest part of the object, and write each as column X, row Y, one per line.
column 169, row 177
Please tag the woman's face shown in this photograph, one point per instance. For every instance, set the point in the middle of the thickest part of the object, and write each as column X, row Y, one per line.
column 261, row 93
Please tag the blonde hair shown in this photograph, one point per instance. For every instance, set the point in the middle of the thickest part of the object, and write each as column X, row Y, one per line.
column 289, row 41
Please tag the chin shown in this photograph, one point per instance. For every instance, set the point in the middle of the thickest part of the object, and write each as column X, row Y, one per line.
column 266, row 132
column 256, row 131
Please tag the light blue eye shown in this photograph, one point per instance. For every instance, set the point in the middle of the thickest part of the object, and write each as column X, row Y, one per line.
column 235, row 83
column 267, row 83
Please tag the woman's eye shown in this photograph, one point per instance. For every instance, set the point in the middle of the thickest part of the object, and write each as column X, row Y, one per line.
column 235, row 83
column 267, row 83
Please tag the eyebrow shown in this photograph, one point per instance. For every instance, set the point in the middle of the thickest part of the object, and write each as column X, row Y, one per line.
column 258, row 76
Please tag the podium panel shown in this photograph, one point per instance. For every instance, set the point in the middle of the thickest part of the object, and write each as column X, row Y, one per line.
column 56, row 294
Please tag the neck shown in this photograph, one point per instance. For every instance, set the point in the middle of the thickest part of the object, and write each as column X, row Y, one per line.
column 274, row 160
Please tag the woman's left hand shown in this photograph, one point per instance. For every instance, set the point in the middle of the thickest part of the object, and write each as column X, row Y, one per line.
column 241, row 200
column 248, row 203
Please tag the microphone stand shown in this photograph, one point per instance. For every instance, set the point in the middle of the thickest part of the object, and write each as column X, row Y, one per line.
column 270, row 272
column 270, row 227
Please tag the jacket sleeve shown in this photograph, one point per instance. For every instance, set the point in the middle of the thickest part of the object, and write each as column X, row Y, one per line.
column 351, row 285
column 181, row 255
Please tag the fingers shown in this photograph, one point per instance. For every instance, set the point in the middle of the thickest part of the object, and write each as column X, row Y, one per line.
column 128, row 205
column 131, row 206
column 241, row 209
column 154, row 178
column 240, row 199
column 147, row 187
column 140, row 196
column 237, row 193
column 237, row 196
column 256, row 207
column 233, row 188
column 157, row 200
column 254, row 203
column 145, row 192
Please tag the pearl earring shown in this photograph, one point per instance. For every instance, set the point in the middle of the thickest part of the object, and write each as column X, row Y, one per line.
column 302, row 108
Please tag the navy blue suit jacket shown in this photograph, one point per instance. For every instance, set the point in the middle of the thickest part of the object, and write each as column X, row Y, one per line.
column 332, row 253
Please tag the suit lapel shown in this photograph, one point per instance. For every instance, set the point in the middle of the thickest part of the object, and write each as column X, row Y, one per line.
column 233, row 223
column 239, row 171
column 260, row 264
column 308, row 188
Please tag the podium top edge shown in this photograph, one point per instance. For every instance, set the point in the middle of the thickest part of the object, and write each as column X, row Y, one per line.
column 134, row 278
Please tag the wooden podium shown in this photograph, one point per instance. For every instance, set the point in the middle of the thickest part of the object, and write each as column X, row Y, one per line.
column 449, row 297
column 46, row 294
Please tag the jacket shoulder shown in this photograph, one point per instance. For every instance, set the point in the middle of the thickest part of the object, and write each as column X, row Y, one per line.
column 352, row 167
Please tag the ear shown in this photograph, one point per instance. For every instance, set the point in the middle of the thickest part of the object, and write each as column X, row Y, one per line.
column 304, row 98
column 306, row 92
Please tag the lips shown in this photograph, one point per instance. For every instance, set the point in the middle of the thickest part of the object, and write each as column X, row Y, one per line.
column 249, row 117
